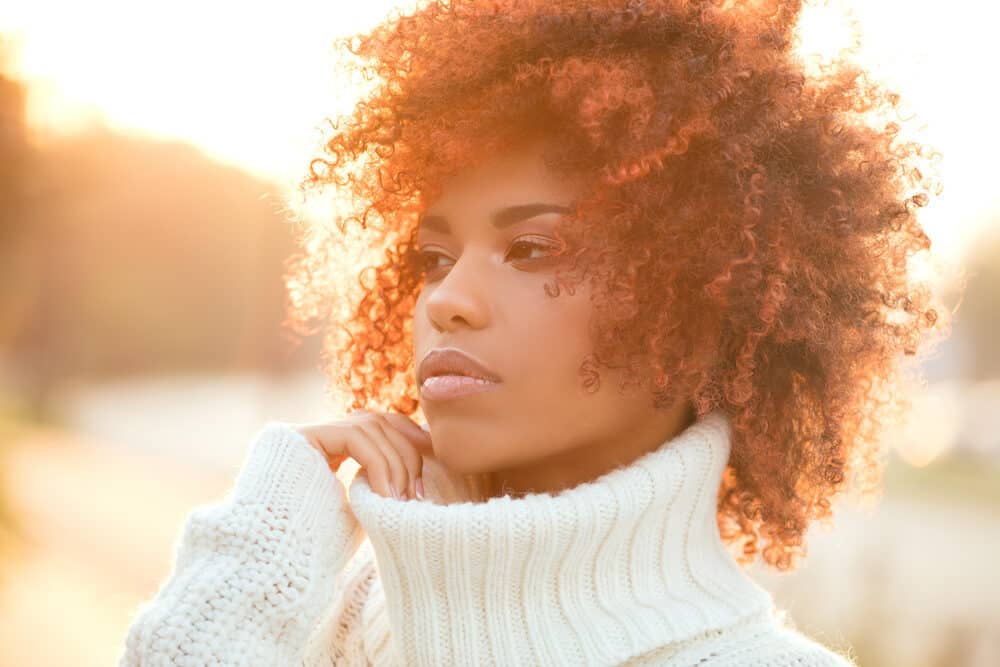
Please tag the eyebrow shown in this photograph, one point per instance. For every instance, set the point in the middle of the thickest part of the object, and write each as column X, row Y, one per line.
column 500, row 218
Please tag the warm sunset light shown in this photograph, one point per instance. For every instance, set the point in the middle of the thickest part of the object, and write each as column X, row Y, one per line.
column 246, row 82
column 167, row 291
column 251, row 83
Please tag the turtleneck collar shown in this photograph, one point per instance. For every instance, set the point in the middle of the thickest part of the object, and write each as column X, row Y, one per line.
column 603, row 571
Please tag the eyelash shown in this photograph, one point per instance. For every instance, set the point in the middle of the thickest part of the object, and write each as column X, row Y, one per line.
column 425, row 255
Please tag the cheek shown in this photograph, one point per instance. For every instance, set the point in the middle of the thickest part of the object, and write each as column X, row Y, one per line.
column 540, row 341
column 554, row 340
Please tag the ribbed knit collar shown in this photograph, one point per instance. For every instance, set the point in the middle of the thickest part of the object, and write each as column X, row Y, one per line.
column 595, row 574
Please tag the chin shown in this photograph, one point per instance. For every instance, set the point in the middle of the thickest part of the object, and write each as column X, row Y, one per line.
column 457, row 455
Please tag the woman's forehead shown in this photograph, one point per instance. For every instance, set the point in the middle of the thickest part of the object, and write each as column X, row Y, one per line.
column 516, row 176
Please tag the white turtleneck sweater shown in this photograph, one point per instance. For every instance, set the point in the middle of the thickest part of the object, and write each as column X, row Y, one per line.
column 291, row 568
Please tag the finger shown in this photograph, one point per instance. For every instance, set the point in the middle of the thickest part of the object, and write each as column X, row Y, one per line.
column 327, row 439
column 398, row 475
column 364, row 449
column 408, row 453
column 420, row 438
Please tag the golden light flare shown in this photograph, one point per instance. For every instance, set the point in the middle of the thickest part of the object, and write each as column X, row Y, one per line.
column 824, row 31
column 251, row 84
column 933, row 425
column 255, row 86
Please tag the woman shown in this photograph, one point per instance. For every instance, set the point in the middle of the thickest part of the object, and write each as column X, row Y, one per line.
column 647, row 282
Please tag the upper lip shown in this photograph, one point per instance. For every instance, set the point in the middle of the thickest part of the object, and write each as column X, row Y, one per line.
column 452, row 361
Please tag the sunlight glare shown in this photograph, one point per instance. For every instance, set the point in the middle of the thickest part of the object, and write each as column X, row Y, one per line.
column 251, row 83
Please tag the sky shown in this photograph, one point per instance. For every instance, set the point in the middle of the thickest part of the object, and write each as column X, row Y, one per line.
column 248, row 82
column 251, row 83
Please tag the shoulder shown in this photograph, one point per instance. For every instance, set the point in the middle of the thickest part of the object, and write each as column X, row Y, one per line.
column 780, row 644
column 766, row 641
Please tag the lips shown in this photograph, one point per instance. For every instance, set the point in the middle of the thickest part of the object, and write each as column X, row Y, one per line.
column 452, row 361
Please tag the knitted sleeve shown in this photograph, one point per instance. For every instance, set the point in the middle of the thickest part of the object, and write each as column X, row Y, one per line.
column 356, row 631
column 258, row 573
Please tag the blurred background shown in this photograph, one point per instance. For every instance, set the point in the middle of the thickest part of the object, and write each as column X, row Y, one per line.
column 148, row 157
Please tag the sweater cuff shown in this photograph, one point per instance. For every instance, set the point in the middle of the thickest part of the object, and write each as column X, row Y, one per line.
column 255, row 573
column 285, row 473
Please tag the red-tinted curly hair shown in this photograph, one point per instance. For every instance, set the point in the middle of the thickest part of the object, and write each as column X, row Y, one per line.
column 746, row 232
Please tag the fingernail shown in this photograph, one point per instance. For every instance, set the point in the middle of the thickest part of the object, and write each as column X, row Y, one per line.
column 419, row 486
column 395, row 493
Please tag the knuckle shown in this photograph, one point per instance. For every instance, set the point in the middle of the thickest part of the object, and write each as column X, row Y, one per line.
column 381, row 468
column 412, row 459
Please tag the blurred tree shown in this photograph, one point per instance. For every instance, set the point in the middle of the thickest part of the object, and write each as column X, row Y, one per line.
column 152, row 258
column 14, row 158
column 123, row 256
column 13, row 163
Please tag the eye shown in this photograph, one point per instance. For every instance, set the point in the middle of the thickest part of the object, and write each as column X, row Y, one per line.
column 428, row 260
column 548, row 247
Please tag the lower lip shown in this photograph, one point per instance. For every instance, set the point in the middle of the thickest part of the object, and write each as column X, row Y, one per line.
column 444, row 387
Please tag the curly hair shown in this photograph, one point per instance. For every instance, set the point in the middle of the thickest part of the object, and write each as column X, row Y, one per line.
column 745, row 226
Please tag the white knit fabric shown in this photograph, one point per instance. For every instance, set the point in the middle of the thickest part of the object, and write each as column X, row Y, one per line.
column 291, row 568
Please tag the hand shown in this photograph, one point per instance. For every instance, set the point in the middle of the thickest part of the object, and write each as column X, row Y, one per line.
column 389, row 447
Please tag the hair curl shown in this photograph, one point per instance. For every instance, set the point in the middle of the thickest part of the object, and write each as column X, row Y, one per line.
column 745, row 230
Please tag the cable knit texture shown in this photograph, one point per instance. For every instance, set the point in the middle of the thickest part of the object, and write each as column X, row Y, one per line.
column 291, row 568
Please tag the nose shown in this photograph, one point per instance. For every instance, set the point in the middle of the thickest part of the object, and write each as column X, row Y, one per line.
column 461, row 297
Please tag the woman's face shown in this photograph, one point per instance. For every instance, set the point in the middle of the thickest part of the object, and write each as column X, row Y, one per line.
column 484, row 294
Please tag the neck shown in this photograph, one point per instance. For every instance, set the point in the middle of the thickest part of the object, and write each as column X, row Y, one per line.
column 583, row 463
